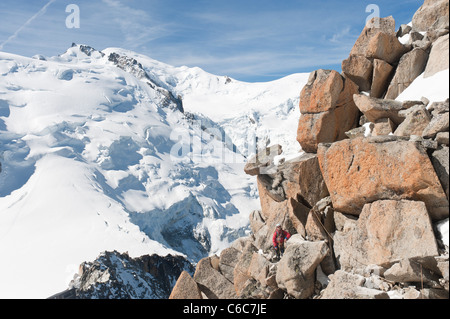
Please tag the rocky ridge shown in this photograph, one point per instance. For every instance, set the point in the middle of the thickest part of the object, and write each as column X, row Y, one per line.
column 118, row 276
column 367, row 200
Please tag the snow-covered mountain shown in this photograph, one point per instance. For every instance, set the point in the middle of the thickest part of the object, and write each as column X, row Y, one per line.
column 112, row 150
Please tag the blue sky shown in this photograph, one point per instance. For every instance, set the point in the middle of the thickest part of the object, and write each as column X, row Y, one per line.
column 249, row 40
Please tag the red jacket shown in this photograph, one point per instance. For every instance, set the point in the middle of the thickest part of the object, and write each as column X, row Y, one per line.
column 280, row 238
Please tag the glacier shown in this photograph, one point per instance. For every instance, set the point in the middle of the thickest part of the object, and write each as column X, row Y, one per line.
column 114, row 151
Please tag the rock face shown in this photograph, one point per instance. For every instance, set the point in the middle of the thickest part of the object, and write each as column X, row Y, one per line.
column 185, row 288
column 327, row 109
column 386, row 232
column 364, row 170
column 377, row 109
column 360, row 70
column 411, row 65
column 438, row 57
column 211, row 282
column 382, row 72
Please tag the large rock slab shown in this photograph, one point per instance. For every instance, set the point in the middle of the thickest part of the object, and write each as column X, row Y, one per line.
column 376, row 109
column 241, row 270
column 410, row 271
column 344, row 285
column 302, row 177
column 185, row 288
column 439, row 123
column 360, row 70
column 372, row 28
column 411, row 65
column 439, row 60
column 322, row 91
column 417, row 118
column 440, row 160
column 296, row 269
column 211, row 282
column 385, row 47
column 429, row 13
column 364, row 170
column 382, row 73
column 327, row 109
column 387, row 232
column 227, row 262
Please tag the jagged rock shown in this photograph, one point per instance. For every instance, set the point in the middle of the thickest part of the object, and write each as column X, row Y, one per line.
column 344, row 285
column 372, row 28
column 415, row 36
column 363, row 170
column 261, row 162
column 256, row 221
column 228, row 260
column 423, row 44
column 297, row 275
column 408, row 270
column 433, row 35
column 417, row 118
column 443, row 138
column 383, row 127
column 304, row 178
column 259, row 268
column 386, row 232
column 375, row 109
column 382, row 72
column 440, row 160
column 360, row 70
column 439, row 123
column 211, row 282
column 411, row 65
column 241, row 274
column 322, row 91
column 344, row 222
column 185, row 288
column 273, row 185
column 359, row 131
column 440, row 119
column 443, row 270
column 320, row 221
column 427, row 293
column 403, row 30
column 385, row 47
column 426, row 16
column 437, row 108
column 132, row 66
column 428, row 144
column 329, row 120
column 298, row 214
column 118, row 276
column 270, row 205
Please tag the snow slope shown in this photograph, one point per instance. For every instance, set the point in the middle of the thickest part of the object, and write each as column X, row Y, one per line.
column 97, row 157
column 266, row 111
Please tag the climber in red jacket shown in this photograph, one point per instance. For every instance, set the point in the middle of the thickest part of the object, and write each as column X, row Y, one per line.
column 279, row 237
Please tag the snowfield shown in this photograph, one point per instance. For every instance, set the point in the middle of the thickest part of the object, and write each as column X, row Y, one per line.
column 98, row 157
